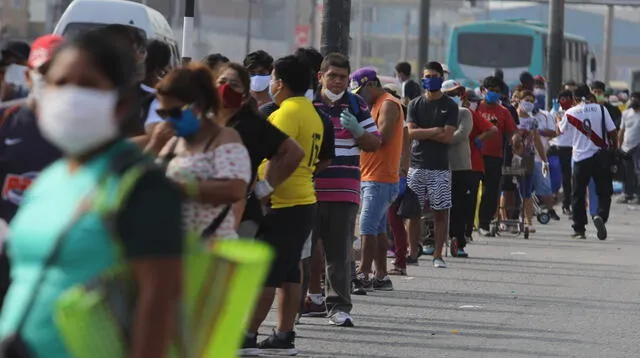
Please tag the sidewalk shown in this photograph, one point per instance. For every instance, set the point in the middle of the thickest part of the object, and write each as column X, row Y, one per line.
column 549, row 296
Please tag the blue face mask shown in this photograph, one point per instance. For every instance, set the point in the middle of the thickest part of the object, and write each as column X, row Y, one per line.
column 457, row 100
column 187, row 124
column 492, row 97
column 432, row 84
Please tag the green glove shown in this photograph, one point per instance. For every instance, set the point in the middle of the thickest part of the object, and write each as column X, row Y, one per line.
column 350, row 122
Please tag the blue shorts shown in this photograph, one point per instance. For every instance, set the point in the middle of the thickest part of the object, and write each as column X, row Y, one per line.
column 376, row 199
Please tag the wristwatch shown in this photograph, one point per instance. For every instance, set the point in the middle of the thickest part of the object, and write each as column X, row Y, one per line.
column 263, row 189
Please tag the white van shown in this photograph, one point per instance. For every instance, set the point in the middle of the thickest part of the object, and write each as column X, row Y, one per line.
column 83, row 15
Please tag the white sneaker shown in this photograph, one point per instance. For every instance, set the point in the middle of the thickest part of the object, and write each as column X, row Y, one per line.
column 341, row 319
column 439, row 263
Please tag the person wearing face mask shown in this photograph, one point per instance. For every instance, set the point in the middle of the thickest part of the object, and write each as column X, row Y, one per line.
column 561, row 147
column 432, row 121
column 409, row 89
column 526, row 145
column 260, row 65
column 262, row 139
column 598, row 89
column 460, row 165
column 291, row 215
column 80, row 112
column 157, row 66
column 24, row 152
column 482, row 129
column 204, row 156
column 338, row 187
column 629, row 139
column 493, row 150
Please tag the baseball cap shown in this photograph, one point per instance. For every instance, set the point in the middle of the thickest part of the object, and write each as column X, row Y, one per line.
column 393, row 88
column 362, row 77
column 42, row 50
column 18, row 49
column 450, row 85
column 445, row 68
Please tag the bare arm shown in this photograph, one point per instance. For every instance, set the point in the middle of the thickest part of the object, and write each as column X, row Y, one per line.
column 416, row 133
column 369, row 142
column 387, row 120
column 539, row 147
column 488, row 134
column 284, row 163
column 159, row 287
column 405, row 159
column 446, row 136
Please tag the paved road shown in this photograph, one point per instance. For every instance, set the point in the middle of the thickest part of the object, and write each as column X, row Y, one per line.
column 544, row 297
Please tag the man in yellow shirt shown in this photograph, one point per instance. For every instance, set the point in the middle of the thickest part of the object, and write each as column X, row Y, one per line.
column 288, row 223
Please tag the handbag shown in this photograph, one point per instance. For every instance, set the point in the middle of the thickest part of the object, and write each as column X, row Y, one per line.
column 13, row 345
column 409, row 205
column 607, row 156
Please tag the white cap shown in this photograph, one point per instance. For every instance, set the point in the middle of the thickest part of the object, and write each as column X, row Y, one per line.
column 445, row 68
column 450, row 85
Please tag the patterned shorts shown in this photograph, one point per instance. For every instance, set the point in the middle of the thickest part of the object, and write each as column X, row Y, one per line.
column 432, row 185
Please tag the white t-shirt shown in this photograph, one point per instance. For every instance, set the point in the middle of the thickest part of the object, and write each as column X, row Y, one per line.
column 562, row 140
column 152, row 116
column 631, row 125
column 582, row 120
column 545, row 122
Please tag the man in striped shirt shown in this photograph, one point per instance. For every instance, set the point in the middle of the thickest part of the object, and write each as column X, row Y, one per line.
column 338, row 186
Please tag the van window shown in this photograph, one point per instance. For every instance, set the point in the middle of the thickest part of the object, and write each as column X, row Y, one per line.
column 75, row 28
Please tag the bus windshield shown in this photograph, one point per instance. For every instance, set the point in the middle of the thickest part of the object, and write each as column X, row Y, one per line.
column 75, row 28
column 494, row 50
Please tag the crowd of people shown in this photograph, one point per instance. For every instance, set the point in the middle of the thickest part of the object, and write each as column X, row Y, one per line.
column 302, row 152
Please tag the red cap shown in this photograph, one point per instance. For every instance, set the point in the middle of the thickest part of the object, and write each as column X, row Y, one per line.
column 42, row 50
column 540, row 78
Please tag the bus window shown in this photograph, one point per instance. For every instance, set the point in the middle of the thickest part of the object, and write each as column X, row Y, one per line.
column 498, row 50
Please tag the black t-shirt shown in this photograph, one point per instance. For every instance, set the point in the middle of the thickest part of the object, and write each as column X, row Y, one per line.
column 24, row 153
column 150, row 222
column 430, row 154
column 412, row 89
column 133, row 124
column 615, row 114
column 263, row 140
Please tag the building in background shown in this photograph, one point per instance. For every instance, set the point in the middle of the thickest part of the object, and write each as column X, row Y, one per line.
column 14, row 19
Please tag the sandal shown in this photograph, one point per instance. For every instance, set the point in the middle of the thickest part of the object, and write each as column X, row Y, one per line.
column 396, row 271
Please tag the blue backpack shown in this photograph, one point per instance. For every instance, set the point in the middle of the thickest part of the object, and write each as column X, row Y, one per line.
column 354, row 103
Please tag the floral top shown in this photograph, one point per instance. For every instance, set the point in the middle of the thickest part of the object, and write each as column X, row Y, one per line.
column 227, row 161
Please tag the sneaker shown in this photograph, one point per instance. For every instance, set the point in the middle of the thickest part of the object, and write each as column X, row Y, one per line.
column 439, row 263
column 485, row 233
column 249, row 347
column 365, row 283
column 383, row 284
column 462, row 253
column 428, row 250
column 281, row 346
column 412, row 261
column 553, row 215
column 579, row 235
column 341, row 319
column 357, row 289
column 391, row 254
column 312, row 309
column 598, row 222
column 566, row 211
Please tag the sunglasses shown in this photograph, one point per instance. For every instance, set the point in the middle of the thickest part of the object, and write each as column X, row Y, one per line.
column 175, row 112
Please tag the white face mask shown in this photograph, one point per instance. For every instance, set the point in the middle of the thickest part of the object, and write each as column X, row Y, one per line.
column 77, row 119
column 37, row 85
column 260, row 83
column 526, row 106
column 309, row 94
column 539, row 91
column 333, row 97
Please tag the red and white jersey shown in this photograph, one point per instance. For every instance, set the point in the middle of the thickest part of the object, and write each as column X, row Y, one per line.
column 583, row 124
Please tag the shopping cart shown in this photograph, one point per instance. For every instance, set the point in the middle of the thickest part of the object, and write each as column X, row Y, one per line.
column 514, row 226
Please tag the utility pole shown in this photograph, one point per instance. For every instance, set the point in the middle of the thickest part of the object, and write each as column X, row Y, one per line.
column 312, row 23
column 335, row 27
column 608, row 39
column 247, row 41
column 556, row 49
column 423, row 35
column 404, row 47
column 187, row 31
column 359, row 34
